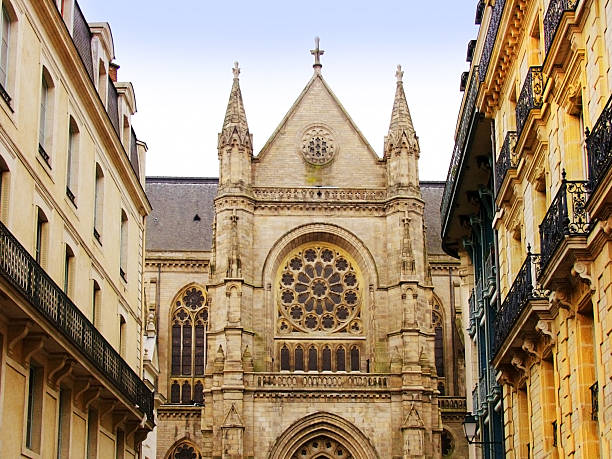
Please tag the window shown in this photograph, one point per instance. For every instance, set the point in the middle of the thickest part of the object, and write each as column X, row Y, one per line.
column 4, row 190
column 123, row 248
column 63, row 423
column 98, row 203
column 284, row 358
column 92, row 434
column 120, row 445
column 122, row 331
column 326, row 358
column 438, row 343
column 188, row 345
column 34, row 408
column 355, row 365
column 72, row 160
column 5, row 30
column 340, row 359
column 102, row 82
column 299, row 358
column 68, row 271
column 41, row 238
column 45, row 126
column 313, row 364
column 95, row 303
column 126, row 134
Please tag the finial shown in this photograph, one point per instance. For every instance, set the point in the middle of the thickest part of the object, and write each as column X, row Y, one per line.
column 317, row 53
column 236, row 70
column 399, row 74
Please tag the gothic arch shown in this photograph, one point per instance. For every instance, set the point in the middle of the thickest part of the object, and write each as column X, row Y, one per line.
column 183, row 445
column 187, row 328
column 323, row 232
column 323, row 425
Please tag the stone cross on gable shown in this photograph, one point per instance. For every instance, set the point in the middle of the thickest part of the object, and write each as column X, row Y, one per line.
column 317, row 53
column 236, row 70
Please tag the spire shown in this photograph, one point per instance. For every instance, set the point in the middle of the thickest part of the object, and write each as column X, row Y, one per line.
column 401, row 122
column 235, row 122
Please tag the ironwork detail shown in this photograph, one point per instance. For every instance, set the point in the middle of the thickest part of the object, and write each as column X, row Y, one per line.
column 594, row 401
column 566, row 216
column 487, row 50
column 22, row 271
column 599, row 147
column 531, row 97
column 552, row 19
column 524, row 289
column 464, row 125
column 506, row 160
column 42, row 152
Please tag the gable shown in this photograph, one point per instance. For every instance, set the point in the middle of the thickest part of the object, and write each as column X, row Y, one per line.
column 354, row 163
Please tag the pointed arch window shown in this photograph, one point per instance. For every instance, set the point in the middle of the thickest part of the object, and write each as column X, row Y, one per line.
column 436, row 321
column 355, row 366
column 299, row 358
column 285, row 366
column 185, row 451
column 340, row 359
column 326, row 360
column 189, row 324
column 313, row 364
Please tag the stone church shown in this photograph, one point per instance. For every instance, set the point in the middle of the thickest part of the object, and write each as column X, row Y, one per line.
column 300, row 305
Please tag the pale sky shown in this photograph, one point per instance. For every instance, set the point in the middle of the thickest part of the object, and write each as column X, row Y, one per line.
column 180, row 58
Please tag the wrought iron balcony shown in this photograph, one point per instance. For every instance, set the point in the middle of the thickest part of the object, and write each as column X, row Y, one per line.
column 531, row 97
column 485, row 58
column 599, row 147
column 552, row 18
column 507, row 160
column 482, row 394
column 566, row 216
column 20, row 270
column 495, row 390
column 524, row 289
column 462, row 133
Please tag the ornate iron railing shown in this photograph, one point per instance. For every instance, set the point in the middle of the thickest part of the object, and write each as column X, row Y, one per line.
column 464, row 126
column 487, row 50
column 524, row 288
column 473, row 320
column 566, row 216
column 506, row 160
column 482, row 394
column 490, row 272
column 531, row 97
column 552, row 18
column 495, row 390
column 599, row 147
column 20, row 269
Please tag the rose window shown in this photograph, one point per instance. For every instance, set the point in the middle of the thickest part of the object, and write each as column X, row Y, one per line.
column 319, row 291
column 318, row 146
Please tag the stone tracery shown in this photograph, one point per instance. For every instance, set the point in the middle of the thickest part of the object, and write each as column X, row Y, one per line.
column 319, row 290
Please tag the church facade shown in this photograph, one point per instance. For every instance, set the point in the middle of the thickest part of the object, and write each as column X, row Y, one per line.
column 300, row 305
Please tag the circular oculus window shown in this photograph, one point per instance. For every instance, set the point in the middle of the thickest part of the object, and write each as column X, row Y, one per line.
column 318, row 145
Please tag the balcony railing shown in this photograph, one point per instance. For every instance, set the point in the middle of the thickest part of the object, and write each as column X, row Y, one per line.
column 20, row 269
column 599, row 147
column 552, row 18
column 462, row 133
column 531, row 97
column 473, row 319
column 452, row 404
column 507, row 160
column 566, row 216
column 522, row 291
column 482, row 394
column 485, row 59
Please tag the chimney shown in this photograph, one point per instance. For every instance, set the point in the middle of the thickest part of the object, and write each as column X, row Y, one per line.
column 112, row 71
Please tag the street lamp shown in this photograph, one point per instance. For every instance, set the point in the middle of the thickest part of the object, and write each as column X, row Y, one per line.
column 469, row 430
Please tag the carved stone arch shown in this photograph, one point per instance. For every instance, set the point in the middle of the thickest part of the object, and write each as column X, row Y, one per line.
column 184, row 442
column 326, row 426
column 323, row 232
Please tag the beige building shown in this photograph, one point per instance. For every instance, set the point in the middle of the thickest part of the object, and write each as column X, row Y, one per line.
column 301, row 305
column 72, row 212
column 538, row 111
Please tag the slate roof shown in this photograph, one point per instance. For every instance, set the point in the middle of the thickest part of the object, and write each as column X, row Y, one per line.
column 432, row 195
column 177, row 200
column 172, row 224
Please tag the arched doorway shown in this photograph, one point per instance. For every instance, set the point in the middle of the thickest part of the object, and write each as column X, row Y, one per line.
column 322, row 436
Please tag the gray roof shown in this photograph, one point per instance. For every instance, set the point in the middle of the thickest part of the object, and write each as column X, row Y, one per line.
column 177, row 200
column 432, row 195
column 172, row 224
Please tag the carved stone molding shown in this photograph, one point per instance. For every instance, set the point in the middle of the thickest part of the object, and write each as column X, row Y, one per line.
column 582, row 270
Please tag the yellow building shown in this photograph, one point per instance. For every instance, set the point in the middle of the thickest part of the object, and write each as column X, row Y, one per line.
column 541, row 81
column 71, row 240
